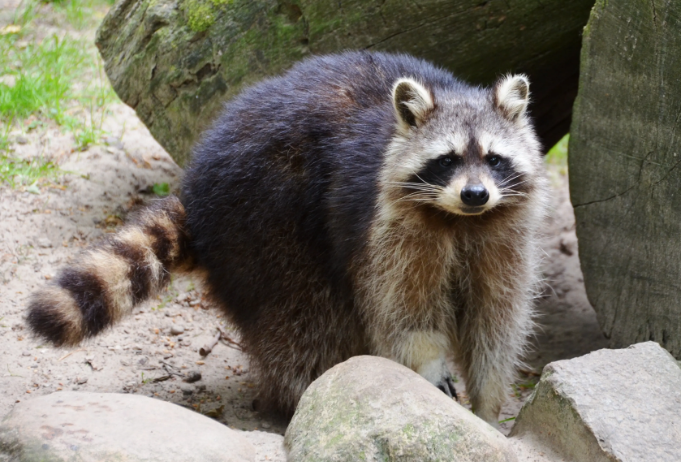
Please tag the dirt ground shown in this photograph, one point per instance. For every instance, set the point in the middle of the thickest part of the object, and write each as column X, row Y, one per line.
column 143, row 355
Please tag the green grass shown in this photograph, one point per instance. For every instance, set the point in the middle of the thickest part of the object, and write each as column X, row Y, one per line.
column 26, row 172
column 44, row 74
column 557, row 155
column 57, row 79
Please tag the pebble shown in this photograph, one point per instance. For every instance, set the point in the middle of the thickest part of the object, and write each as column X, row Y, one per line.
column 80, row 380
column 21, row 139
column 186, row 389
column 177, row 330
column 265, row 425
column 44, row 242
column 192, row 376
column 26, row 353
column 125, row 362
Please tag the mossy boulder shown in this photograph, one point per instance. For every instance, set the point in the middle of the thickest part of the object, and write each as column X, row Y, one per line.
column 373, row 409
column 176, row 61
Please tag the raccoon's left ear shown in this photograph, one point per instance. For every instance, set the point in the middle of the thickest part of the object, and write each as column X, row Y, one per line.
column 511, row 96
column 413, row 102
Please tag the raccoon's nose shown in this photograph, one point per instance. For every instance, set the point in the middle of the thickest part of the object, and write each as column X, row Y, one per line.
column 474, row 195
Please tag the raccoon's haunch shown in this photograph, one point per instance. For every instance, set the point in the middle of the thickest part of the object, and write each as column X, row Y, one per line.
column 106, row 282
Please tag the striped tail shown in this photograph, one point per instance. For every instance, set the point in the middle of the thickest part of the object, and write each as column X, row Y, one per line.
column 104, row 283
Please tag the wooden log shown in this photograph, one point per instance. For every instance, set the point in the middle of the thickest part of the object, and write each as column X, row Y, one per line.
column 625, row 180
column 177, row 61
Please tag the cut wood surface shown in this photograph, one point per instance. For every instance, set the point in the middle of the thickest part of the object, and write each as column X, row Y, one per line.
column 625, row 180
column 176, row 61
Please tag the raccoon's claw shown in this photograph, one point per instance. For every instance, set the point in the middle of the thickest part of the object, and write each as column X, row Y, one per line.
column 447, row 387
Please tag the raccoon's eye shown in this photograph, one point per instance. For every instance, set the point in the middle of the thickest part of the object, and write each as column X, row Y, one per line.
column 446, row 161
column 493, row 160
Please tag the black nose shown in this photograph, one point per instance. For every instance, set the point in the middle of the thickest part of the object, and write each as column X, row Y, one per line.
column 474, row 195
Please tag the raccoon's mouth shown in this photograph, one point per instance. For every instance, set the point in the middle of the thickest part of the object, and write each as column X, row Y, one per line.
column 468, row 210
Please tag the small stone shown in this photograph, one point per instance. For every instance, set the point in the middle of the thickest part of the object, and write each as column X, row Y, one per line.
column 21, row 139
column 192, row 376
column 265, row 425
column 125, row 362
column 176, row 329
column 44, row 242
column 186, row 389
column 113, row 142
column 80, row 380
column 26, row 353
column 9, row 80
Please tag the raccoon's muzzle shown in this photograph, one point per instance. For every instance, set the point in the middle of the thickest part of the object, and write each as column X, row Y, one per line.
column 104, row 283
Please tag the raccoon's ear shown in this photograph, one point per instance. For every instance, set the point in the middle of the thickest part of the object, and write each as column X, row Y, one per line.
column 413, row 102
column 511, row 96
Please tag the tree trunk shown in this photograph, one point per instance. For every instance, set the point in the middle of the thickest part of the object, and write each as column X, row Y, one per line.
column 177, row 61
column 625, row 150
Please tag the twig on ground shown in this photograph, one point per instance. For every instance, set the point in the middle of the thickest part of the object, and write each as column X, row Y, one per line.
column 232, row 343
column 70, row 353
column 208, row 347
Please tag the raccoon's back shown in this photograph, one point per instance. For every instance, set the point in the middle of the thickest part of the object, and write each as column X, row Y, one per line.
column 286, row 180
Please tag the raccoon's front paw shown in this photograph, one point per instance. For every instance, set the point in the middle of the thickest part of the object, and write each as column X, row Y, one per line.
column 447, row 386
column 437, row 373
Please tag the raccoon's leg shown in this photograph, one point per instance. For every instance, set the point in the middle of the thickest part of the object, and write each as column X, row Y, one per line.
column 490, row 341
column 425, row 353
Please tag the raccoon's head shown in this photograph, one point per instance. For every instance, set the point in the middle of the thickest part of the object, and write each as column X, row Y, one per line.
column 463, row 150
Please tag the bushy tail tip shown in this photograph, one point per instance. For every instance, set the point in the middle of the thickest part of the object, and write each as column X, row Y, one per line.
column 105, row 282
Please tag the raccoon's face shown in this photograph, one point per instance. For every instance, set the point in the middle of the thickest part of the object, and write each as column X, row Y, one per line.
column 464, row 152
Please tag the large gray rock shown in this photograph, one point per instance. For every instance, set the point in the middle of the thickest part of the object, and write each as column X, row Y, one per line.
column 103, row 427
column 176, row 61
column 610, row 405
column 372, row 409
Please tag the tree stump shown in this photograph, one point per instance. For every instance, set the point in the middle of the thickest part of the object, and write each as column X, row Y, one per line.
column 625, row 180
column 176, row 61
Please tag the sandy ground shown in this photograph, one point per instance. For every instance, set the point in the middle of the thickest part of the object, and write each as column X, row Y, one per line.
column 143, row 355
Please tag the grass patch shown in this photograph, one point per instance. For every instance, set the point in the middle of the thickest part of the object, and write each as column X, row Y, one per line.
column 55, row 79
column 161, row 189
column 26, row 172
column 557, row 155
column 81, row 14
column 39, row 77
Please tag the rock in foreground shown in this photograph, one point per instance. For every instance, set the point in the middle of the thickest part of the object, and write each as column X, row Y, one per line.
column 107, row 427
column 370, row 408
column 610, row 405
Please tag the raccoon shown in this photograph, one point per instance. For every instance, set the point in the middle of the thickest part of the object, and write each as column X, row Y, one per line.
column 362, row 203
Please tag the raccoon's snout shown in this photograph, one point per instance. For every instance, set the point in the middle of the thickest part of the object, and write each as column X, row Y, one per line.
column 474, row 195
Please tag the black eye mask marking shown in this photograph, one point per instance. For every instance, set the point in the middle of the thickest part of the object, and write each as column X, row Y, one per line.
column 504, row 174
column 438, row 171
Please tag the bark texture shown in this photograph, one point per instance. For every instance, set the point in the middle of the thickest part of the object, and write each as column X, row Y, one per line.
column 177, row 61
column 625, row 180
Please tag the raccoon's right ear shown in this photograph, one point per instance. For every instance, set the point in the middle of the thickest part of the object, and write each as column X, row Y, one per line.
column 413, row 102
